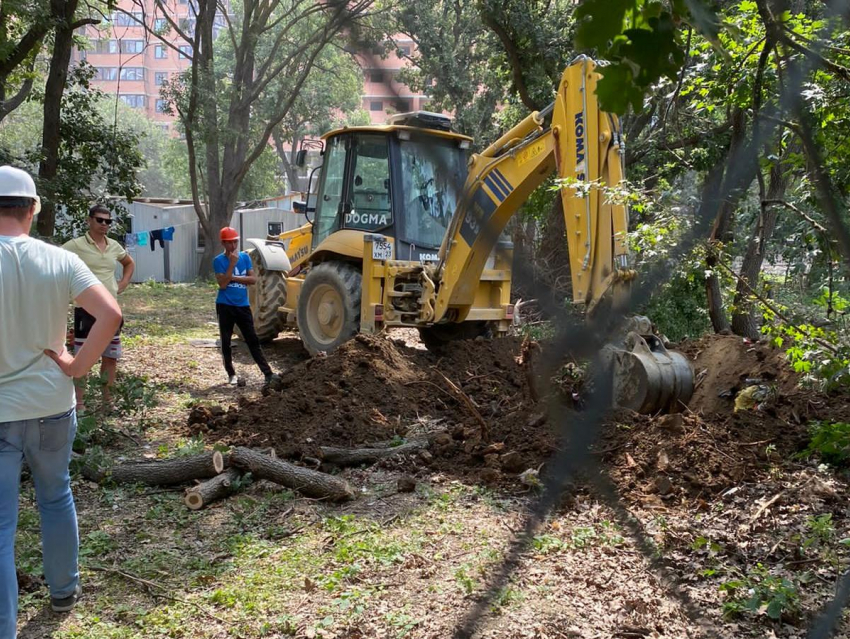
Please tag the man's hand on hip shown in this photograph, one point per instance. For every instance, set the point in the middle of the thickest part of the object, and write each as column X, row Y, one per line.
column 65, row 361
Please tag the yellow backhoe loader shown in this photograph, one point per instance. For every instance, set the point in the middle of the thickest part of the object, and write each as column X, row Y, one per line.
column 406, row 230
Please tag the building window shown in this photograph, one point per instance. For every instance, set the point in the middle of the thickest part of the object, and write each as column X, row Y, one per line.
column 160, row 78
column 106, row 46
column 161, row 106
column 403, row 51
column 133, row 100
column 376, row 105
column 376, row 75
column 133, row 74
column 160, row 52
column 186, row 51
column 402, row 106
column 106, row 73
column 160, row 25
column 132, row 46
column 134, row 19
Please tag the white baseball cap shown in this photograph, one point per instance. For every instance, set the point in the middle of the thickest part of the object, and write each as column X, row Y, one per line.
column 17, row 183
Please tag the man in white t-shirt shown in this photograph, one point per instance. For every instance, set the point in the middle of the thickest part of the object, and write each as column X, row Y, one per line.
column 37, row 417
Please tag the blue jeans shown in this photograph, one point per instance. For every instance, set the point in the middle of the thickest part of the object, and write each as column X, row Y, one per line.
column 46, row 445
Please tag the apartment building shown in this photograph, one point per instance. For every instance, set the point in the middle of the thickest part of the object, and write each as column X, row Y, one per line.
column 132, row 63
column 382, row 93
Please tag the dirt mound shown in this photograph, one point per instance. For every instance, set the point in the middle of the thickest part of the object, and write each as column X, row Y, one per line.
column 373, row 389
column 712, row 447
column 478, row 403
column 726, row 364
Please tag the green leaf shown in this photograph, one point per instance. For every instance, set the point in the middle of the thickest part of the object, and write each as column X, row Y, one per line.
column 616, row 90
column 774, row 609
column 600, row 21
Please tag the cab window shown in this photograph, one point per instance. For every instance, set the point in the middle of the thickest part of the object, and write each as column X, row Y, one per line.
column 370, row 204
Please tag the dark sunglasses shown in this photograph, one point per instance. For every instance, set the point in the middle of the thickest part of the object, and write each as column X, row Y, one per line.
column 103, row 220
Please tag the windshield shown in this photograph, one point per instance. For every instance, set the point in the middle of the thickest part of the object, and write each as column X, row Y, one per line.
column 433, row 172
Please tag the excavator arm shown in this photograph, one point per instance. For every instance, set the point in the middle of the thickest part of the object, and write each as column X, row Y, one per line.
column 584, row 146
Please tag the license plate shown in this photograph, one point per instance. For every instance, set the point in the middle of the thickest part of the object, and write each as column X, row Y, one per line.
column 382, row 250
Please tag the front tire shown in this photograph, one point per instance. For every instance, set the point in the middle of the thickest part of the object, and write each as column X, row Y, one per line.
column 329, row 306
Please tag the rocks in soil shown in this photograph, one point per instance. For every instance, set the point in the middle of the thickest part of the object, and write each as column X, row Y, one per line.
column 406, row 484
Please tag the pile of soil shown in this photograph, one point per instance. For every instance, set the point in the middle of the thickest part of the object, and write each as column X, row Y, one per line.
column 478, row 402
column 711, row 447
column 373, row 389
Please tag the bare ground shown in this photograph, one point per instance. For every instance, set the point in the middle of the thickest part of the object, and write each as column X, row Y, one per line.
column 717, row 498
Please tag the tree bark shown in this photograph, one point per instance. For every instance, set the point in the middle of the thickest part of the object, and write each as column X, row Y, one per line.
column 169, row 472
column 209, row 491
column 63, row 40
column 308, row 482
column 357, row 456
column 721, row 231
column 744, row 320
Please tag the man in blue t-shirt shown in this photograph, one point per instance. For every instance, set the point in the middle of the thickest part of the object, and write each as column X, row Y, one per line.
column 234, row 274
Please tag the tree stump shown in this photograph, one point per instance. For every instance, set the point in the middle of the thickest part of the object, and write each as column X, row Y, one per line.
column 357, row 456
column 171, row 471
column 207, row 492
column 308, row 482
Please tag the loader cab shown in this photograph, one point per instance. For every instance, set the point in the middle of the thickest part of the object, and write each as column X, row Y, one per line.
column 402, row 180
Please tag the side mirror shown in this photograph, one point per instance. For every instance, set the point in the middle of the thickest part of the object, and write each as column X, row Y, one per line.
column 299, row 207
column 301, row 158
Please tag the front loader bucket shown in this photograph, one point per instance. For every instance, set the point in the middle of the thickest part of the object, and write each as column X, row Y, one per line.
column 648, row 378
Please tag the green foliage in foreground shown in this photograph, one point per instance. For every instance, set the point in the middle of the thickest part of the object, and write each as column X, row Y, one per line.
column 830, row 441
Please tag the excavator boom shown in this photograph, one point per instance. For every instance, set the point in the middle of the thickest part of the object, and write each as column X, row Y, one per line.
column 584, row 147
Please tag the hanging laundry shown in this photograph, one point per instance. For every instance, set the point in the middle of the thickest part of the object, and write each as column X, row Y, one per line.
column 129, row 240
column 142, row 239
column 168, row 234
column 157, row 236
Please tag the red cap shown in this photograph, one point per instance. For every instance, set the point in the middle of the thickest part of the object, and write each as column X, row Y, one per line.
column 228, row 233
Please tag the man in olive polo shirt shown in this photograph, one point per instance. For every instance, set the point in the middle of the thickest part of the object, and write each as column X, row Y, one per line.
column 100, row 253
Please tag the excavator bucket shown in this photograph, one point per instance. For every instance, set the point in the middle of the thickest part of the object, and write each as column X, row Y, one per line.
column 648, row 378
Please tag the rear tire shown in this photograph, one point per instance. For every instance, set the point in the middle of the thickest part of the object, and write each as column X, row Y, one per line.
column 329, row 306
column 265, row 298
column 437, row 337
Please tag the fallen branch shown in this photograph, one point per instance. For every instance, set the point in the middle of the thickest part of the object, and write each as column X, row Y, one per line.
column 164, row 591
column 308, row 482
column 207, row 492
column 357, row 456
column 467, row 402
column 168, row 472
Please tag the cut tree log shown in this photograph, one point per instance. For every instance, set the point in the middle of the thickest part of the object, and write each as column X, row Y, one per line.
column 308, row 482
column 207, row 492
column 357, row 456
column 171, row 471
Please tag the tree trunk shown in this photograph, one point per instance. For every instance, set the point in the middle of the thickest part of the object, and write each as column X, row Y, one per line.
column 57, row 77
column 207, row 492
column 744, row 320
column 308, row 482
column 357, row 456
column 287, row 163
column 721, row 231
column 169, row 472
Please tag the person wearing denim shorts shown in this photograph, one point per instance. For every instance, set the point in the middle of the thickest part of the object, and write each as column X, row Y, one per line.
column 37, row 405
